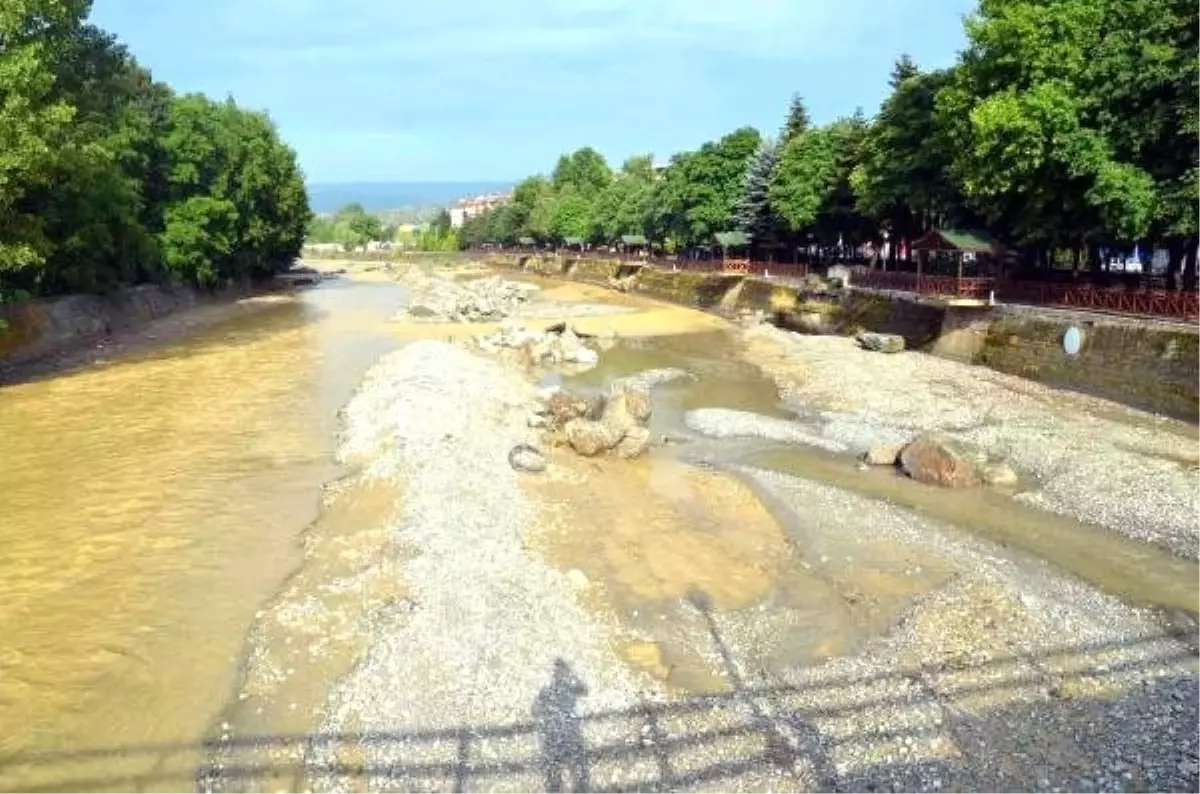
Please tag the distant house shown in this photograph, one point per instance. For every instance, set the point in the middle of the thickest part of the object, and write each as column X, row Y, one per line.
column 470, row 207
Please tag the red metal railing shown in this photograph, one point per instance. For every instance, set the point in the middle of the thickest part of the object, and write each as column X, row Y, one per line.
column 921, row 284
column 1147, row 302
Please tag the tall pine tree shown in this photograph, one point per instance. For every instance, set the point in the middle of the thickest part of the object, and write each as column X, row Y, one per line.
column 753, row 214
column 797, row 121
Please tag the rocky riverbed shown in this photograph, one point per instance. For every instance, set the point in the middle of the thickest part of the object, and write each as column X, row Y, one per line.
column 597, row 623
column 1084, row 457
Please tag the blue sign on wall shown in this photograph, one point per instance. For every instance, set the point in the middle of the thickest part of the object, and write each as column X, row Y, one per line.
column 1072, row 341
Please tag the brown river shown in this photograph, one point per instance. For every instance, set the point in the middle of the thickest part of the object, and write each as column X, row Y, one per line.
column 154, row 504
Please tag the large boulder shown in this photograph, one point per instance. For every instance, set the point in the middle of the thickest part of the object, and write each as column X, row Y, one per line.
column 635, row 441
column 562, row 406
column 590, row 438
column 937, row 460
column 628, row 404
column 880, row 343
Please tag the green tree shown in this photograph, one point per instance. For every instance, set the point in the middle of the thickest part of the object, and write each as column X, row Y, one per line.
column 624, row 206
column 572, row 214
column 797, row 120
column 33, row 123
column 754, row 214
column 903, row 179
column 585, row 170
column 1051, row 109
column 699, row 191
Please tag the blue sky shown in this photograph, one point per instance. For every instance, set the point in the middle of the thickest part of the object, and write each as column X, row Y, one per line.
column 382, row 90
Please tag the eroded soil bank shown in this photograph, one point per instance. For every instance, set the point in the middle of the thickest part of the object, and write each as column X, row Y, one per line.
column 734, row 610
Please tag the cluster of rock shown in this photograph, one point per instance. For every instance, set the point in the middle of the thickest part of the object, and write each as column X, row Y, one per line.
column 614, row 423
column 553, row 346
column 477, row 301
column 936, row 459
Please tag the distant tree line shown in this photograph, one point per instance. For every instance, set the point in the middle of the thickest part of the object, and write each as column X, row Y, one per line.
column 108, row 178
column 352, row 227
column 1063, row 127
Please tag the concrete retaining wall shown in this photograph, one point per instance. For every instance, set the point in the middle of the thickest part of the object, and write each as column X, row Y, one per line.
column 37, row 328
column 1144, row 364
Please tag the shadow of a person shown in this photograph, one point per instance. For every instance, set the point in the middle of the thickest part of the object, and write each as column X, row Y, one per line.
column 559, row 729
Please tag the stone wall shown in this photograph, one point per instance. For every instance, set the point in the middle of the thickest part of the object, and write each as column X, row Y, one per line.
column 1147, row 365
column 33, row 329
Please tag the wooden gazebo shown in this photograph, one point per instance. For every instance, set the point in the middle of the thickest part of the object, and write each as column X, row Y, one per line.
column 633, row 242
column 958, row 242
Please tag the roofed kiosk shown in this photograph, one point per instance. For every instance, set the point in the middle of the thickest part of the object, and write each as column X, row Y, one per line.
column 971, row 242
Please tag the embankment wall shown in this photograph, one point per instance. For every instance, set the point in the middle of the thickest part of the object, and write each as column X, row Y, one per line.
column 1145, row 364
column 34, row 329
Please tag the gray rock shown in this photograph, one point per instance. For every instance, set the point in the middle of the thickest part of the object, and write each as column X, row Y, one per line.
column 882, row 454
column 584, row 355
column 880, row 343
column 561, row 407
column 627, row 405
column 999, row 474
column 590, row 438
column 525, row 458
column 634, row 443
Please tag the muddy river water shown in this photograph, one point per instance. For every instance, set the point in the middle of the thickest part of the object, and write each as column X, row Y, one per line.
column 151, row 504
column 154, row 503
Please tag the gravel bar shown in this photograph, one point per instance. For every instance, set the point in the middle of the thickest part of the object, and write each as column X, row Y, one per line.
column 1090, row 459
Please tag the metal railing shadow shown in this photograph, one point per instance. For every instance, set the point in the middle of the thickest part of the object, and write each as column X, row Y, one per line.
column 655, row 746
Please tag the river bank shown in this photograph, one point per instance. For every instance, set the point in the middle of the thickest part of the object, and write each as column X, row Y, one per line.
column 652, row 623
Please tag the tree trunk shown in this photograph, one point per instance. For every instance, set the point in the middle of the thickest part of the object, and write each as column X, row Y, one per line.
column 1189, row 265
column 1175, row 249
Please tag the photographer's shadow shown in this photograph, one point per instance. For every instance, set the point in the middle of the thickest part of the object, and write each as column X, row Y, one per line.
column 559, row 730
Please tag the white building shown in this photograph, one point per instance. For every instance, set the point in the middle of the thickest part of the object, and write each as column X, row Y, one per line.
column 470, row 207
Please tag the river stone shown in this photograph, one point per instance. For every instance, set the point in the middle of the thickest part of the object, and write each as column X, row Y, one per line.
column 937, row 460
column 628, row 397
column 999, row 474
column 590, row 438
column 881, row 343
column 422, row 312
column 584, row 355
column 839, row 275
column 562, row 406
column 568, row 342
column 525, row 458
column 882, row 454
column 633, row 444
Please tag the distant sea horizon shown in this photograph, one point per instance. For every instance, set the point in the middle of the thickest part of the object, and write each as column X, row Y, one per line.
column 380, row 196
